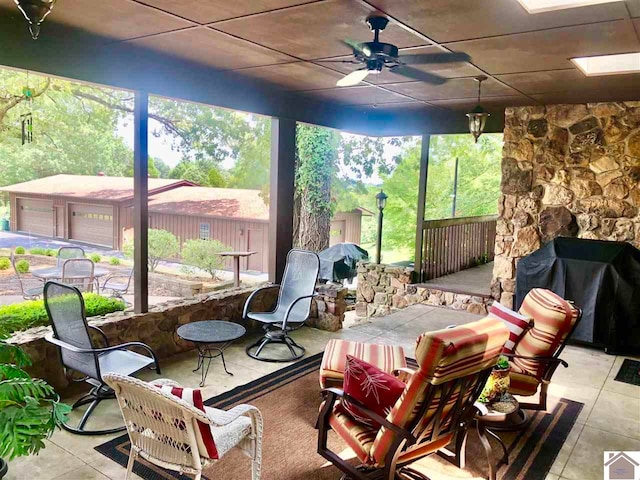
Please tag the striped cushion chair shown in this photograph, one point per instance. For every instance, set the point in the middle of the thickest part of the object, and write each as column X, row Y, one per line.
column 536, row 355
column 386, row 357
column 437, row 403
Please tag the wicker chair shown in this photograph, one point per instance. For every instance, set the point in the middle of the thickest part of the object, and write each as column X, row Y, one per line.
column 28, row 293
column 436, row 406
column 293, row 307
column 79, row 273
column 163, row 428
column 72, row 336
column 65, row 253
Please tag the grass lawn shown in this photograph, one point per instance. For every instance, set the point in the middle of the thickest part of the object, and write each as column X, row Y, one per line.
column 389, row 255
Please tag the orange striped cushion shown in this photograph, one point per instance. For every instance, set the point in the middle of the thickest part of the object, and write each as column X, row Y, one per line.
column 385, row 357
column 522, row 383
column 442, row 355
column 553, row 319
column 357, row 435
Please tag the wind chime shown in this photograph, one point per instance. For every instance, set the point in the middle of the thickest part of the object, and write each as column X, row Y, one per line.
column 26, row 119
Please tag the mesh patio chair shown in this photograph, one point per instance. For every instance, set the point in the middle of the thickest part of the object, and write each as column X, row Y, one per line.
column 292, row 309
column 166, row 431
column 65, row 253
column 79, row 273
column 28, row 293
column 118, row 283
column 72, row 336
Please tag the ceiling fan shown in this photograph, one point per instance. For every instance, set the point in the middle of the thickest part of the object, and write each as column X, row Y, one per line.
column 376, row 56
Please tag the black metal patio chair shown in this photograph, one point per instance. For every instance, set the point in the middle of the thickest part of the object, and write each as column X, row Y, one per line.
column 72, row 336
column 292, row 309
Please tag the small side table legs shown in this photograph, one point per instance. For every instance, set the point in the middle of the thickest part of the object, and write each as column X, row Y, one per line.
column 482, row 433
column 206, row 353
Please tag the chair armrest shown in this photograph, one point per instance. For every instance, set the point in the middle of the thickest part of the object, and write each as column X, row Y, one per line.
column 293, row 304
column 123, row 346
column 225, row 417
column 403, row 373
column 338, row 393
column 102, row 334
column 542, row 359
column 165, row 382
column 247, row 304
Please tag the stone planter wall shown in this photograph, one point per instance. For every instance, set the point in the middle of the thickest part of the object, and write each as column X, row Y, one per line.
column 177, row 286
column 328, row 308
column 567, row 170
column 383, row 288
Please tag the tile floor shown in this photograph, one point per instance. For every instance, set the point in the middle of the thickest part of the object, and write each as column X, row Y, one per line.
column 610, row 419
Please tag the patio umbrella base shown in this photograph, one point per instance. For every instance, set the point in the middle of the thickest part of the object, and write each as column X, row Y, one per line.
column 279, row 336
column 94, row 397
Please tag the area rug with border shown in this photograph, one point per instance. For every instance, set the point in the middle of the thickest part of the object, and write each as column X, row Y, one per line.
column 289, row 400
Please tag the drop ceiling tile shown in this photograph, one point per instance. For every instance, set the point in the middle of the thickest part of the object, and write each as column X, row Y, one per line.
column 490, row 103
column 557, row 80
column 447, row 70
column 453, row 20
column 455, row 88
column 208, row 47
column 549, row 49
column 360, row 95
column 215, row 10
column 118, row 19
column 295, row 76
column 588, row 96
column 315, row 30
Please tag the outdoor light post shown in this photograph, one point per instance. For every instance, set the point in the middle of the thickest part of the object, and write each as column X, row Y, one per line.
column 381, row 201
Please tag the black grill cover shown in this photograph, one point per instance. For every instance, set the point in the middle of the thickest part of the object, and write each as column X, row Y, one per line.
column 602, row 278
column 340, row 261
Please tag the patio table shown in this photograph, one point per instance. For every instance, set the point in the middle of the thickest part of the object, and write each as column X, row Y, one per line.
column 55, row 273
column 236, row 264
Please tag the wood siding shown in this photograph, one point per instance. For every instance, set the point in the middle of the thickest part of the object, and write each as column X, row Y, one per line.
column 352, row 227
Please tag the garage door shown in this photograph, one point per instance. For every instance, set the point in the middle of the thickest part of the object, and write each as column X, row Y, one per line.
column 35, row 216
column 91, row 224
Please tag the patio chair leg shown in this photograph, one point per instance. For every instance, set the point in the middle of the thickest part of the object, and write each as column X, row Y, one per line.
column 275, row 337
column 94, row 397
column 132, row 460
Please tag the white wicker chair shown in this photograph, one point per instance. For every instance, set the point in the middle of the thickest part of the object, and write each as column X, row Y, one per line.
column 162, row 427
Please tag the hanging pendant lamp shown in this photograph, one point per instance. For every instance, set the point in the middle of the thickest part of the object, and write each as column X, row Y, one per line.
column 478, row 117
column 35, row 11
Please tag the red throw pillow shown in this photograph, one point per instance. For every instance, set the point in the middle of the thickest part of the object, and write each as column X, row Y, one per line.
column 517, row 324
column 204, row 437
column 375, row 389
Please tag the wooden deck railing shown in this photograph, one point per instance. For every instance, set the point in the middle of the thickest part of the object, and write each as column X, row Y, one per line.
column 454, row 244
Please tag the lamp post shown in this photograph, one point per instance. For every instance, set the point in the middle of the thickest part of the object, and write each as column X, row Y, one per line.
column 381, row 202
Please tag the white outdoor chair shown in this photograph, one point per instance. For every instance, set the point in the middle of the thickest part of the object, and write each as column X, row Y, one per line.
column 163, row 428
column 119, row 284
column 28, row 293
column 79, row 273
column 65, row 253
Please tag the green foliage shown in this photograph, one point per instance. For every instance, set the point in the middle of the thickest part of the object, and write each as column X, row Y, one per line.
column 29, row 314
column 502, row 363
column 50, row 253
column 95, row 258
column 204, row 254
column 22, row 266
column 114, row 261
column 20, row 251
column 5, row 263
column 38, row 251
column 29, row 407
column 163, row 245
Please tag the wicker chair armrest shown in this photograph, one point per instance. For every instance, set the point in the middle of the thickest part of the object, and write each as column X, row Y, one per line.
column 338, row 393
column 247, row 304
column 225, row 417
column 165, row 382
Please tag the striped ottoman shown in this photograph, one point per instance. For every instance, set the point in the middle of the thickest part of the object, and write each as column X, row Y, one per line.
column 385, row 357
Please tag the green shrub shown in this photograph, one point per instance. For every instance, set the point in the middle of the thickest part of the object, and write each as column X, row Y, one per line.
column 5, row 263
column 114, row 261
column 204, row 254
column 24, row 315
column 22, row 266
column 50, row 253
column 37, row 251
column 95, row 258
column 20, row 251
column 163, row 245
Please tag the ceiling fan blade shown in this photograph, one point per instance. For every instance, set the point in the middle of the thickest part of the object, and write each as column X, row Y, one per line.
column 357, row 47
column 351, row 62
column 416, row 74
column 353, row 78
column 424, row 58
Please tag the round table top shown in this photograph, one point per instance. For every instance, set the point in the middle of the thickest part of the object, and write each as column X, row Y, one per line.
column 56, row 272
column 211, row 331
column 502, row 410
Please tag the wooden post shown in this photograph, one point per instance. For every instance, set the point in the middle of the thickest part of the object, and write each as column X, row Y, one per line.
column 140, row 202
column 281, row 194
column 422, row 199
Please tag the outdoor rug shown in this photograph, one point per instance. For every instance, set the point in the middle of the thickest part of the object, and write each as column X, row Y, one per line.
column 629, row 372
column 289, row 400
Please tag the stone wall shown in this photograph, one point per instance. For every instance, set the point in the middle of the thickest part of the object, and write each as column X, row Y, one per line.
column 567, row 170
column 328, row 308
column 384, row 288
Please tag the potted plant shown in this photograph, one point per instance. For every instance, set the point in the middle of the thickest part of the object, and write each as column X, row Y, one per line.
column 498, row 382
column 30, row 409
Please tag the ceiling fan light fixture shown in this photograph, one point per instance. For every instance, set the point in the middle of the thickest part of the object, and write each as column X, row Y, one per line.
column 35, row 11
column 478, row 116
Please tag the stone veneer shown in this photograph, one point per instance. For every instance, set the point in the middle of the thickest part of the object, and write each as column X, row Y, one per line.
column 567, row 170
column 157, row 327
column 383, row 288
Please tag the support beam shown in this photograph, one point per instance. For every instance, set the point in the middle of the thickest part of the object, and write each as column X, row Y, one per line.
column 422, row 199
column 140, row 202
column 281, row 193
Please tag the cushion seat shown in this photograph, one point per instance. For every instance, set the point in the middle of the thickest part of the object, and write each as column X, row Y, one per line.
column 357, row 435
column 521, row 382
column 123, row 362
column 386, row 357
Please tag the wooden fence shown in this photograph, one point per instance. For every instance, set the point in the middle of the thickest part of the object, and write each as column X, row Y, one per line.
column 454, row 244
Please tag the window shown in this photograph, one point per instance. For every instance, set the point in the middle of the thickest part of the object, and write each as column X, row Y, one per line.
column 205, row 231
